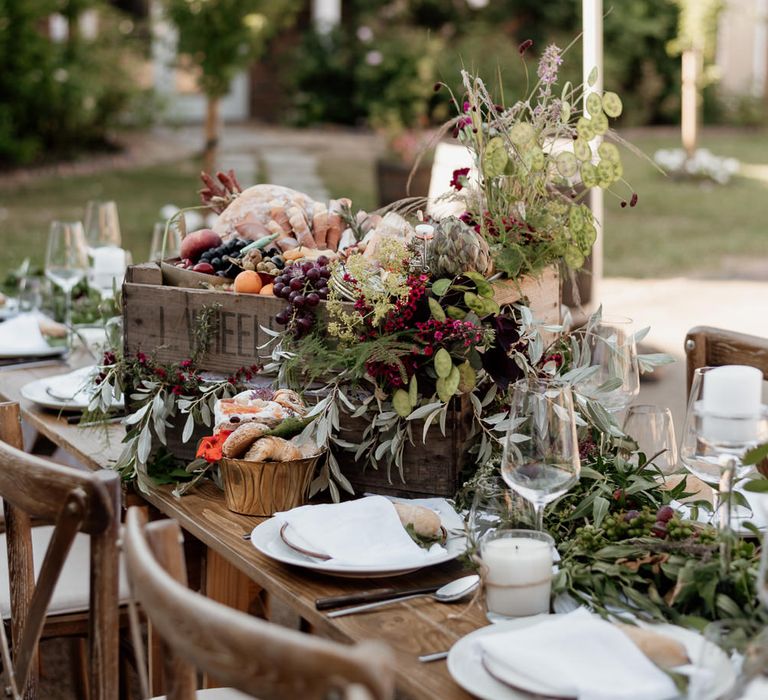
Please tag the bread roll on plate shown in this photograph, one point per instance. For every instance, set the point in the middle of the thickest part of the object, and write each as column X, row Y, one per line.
column 664, row 651
column 424, row 522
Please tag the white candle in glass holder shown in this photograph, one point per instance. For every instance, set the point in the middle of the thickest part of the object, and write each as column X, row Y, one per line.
column 518, row 576
column 731, row 403
column 108, row 266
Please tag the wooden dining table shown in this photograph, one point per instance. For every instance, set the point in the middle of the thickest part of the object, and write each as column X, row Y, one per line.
column 235, row 570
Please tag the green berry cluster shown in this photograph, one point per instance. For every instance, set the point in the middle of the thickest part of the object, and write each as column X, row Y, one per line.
column 663, row 523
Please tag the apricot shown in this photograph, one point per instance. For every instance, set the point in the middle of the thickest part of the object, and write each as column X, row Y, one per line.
column 268, row 290
column 248, row 282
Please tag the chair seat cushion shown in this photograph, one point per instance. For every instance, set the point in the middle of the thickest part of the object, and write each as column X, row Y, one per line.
column 216, row 694
column 72, row 589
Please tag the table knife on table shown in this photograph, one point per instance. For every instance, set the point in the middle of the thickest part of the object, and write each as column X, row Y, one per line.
column 374, row 596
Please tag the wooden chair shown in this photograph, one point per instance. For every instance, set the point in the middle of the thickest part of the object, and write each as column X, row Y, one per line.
column 252, row 655
column 713, row 347
column 84, row 507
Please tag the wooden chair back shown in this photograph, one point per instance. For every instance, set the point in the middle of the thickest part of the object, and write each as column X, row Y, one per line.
column 75, row 501
column 713, row 347
column 252, row 655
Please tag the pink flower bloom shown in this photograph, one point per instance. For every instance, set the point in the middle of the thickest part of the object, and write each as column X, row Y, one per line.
column 459, row 178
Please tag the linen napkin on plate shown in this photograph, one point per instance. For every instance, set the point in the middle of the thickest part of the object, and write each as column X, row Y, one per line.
column 365, row 532
column 577, row 655
column 73, row 386
column 22, row 334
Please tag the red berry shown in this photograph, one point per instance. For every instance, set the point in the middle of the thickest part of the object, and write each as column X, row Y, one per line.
column 659, row 529
column 630, row 515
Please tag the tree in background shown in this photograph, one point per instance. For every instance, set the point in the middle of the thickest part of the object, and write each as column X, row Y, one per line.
column 221, row 38
column 60, row 97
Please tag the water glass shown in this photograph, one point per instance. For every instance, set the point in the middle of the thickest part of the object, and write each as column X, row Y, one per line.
column 102, row 225
column 165, row 244
column 610, row 347
column 66, row 262
column 495, row 507
column 652, row 428
column 517, row 573
column 540, row 460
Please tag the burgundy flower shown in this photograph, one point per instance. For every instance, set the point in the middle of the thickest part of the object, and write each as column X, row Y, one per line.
column 527, row 44
column 459, row 178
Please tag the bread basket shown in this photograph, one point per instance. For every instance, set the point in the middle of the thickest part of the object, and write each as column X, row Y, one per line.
column 265, row 488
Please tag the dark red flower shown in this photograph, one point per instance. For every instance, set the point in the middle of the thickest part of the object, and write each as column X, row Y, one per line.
column 633, row 201
column 527, row 44
column 459, row 178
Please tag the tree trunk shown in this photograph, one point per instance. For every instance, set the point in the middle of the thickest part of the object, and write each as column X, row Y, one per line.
column 211, row 133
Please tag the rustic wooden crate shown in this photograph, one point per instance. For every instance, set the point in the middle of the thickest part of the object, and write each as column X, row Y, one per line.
column 160, row 319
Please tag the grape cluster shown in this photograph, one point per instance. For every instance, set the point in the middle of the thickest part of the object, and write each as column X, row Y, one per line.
column 302, row 285
column 664, row 523
column 215, row 257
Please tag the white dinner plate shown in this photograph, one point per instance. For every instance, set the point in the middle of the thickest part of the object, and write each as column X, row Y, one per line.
column 51, row 351
column 468, row 668
column 266, row 538
column 39, row 392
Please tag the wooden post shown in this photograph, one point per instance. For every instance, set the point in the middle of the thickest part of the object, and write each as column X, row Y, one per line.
column 211, row 133
column 592, row 23
column 689, row 118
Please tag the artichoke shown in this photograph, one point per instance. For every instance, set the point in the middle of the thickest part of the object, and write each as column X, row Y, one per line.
column 456, row 248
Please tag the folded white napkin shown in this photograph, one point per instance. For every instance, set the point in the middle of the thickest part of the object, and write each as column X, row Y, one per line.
column 22, row 334
column 578, row 655
column 756, row 690
column 451, row 519
column 74, row 386
column 365, row 532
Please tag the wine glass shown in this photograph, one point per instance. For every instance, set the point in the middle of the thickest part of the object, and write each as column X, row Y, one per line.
column 165, row 244
column 495, row 507
column 102, row 225
column 540, row 461
column 652, row 428
column 66, row 262
column 610, row 347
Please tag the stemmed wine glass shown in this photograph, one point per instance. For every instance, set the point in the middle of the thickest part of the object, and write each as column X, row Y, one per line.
column 654, row 431
column 102, row 232
column 66, row 262
column 540, row 461
column 165, row 244
column 611, row 348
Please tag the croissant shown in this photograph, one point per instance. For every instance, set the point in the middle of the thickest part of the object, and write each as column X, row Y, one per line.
column 273, row 449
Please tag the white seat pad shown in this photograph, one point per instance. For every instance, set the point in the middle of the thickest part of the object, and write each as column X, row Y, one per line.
column 217, row 694
column 72, row 589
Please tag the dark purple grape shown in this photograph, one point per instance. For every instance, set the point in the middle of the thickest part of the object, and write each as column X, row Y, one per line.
column 285, row 292
column 279, row 287
column 216, row 262
column 630, row 515
column 299, row 300
column 292, row 296
column 323, row 293
column 283, row 317
column 313, row 274
column 322, row 283
column 280, row 279
column 325, row 272
column 297, row 283
column 322, row 261
column 313, row 299
column 665, row 514
column 307, row 266
column 305, row 323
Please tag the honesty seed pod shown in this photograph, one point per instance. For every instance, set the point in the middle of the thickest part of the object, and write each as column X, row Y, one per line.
column 401, row 402
column 443, row 363
column 467, row 378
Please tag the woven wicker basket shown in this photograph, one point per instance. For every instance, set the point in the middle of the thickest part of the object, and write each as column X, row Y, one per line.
column 265, row 488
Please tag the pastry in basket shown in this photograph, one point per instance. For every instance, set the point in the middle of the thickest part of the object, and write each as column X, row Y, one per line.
column 273, row 449
column 240, row 440
column 249, row 407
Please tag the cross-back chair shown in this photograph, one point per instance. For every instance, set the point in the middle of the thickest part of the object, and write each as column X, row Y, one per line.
column 75, row 502
column 251, row 655
column 713, row 347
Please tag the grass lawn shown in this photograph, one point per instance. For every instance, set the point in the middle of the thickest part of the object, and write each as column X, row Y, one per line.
column 683, row 228
column 676, row 229
column 27, row 210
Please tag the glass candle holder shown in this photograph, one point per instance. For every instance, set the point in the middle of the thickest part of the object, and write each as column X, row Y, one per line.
column 517, row 570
